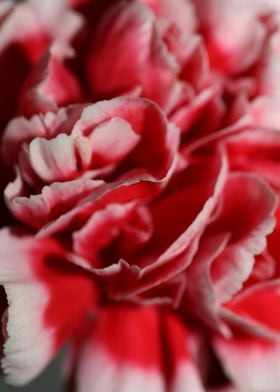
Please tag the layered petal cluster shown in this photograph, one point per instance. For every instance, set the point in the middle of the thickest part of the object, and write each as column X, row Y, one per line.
column 140, row 225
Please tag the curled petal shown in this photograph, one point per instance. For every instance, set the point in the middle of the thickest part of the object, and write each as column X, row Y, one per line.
column 253, row 310
column 21, row 130
column 155, row 151
column 226, row 256
column 51, row 84
column 146, row 65
column 179, row 220
column 54, row 200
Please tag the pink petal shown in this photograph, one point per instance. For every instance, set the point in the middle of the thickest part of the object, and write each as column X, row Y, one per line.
column 267, row 74
column 234, row 36
column 205, row 107
column 180, row 12
column 123, row 191
column 199, row 288
column 47, row 299
column 265, row 112
column 112, row 141
column 158, row 353
column 60, row 159
column 21, row 130
column 51, row 84
column 58, row 19
column 21, row 25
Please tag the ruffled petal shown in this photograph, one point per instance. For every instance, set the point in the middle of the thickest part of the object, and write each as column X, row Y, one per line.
column 227, row 251
column 51, row 84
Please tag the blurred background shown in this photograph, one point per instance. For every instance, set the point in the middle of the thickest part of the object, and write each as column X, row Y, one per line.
column 49, row 381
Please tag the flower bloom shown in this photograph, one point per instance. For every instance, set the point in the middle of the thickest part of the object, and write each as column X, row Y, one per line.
column 140, row 184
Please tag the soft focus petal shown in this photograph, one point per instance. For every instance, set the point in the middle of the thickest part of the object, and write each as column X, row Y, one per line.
column 134, row 348
column 240, row 355
column 254, row 309
column 21, row 130
column 181, row 349
column 50, row 84
column 144, row 63
column 121, row 353
column 257, row 151
column 180, row 12
column 47, row 299
column 234, row 36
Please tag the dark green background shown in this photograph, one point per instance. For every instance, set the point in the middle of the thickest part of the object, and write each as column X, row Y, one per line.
column 47, row 382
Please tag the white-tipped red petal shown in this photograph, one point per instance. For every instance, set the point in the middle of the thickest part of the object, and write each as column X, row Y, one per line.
column 21, row 130
column 226, row 255
column 131, row 348
column 257, row 204
column 53, row 201
column 252, row 364
column 47, row 299
column 145, row 64
column 181, row 348
column 59, row 159
column 154, row 152
column 122, row 352
column 253, row 309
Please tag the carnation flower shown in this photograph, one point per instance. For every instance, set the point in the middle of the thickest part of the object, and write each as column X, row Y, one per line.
column 140, row 193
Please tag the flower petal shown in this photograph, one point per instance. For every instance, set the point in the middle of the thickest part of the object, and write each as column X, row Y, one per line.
column 240, row 355
column 234, row 36
column 181, row 347
column 226, row 255
column 47, row 299
column 257, row 151
column 51, row 84
column 254, row 310
column 121, row 353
